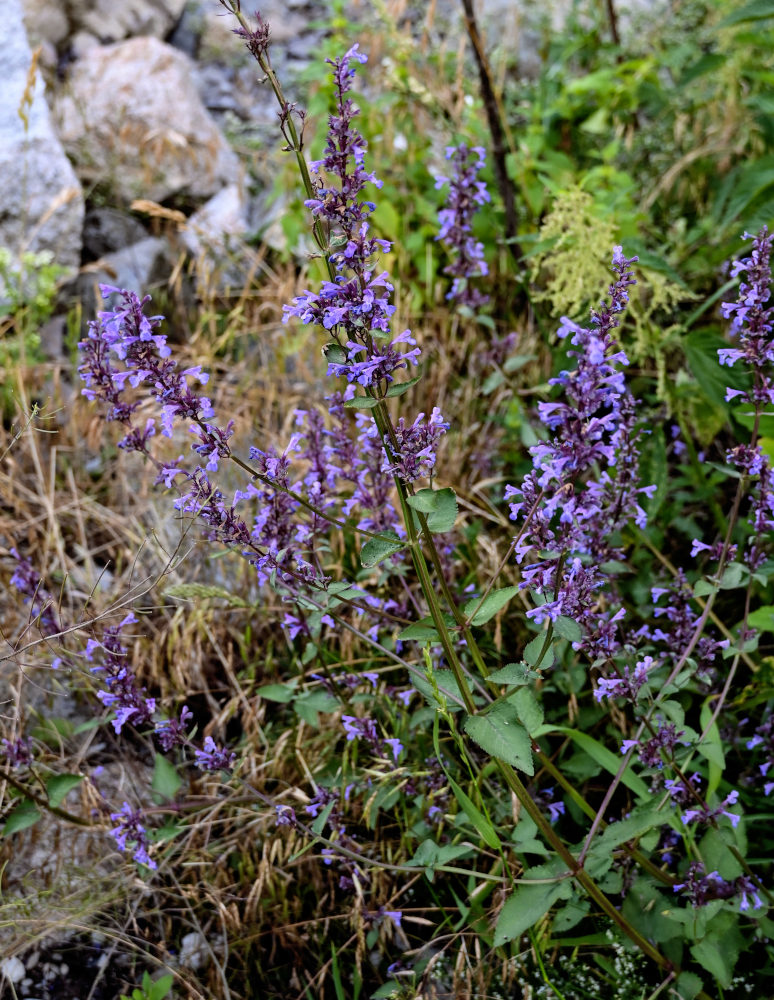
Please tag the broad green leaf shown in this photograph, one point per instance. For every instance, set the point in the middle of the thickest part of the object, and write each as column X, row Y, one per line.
column 494, row 601
column 762, row 618
column 376, row 549
column 361, row 403
column 440, row 506
column 570, row 915
column 711, row 955
column 534, row 648
column 688, row 985
column 277, row 692
column 307, row 705
column 631, row 828
column 734, row 575
column 421, row 631
column 24, row 815
column 501, row 734
column 200, row 591
column 397, row 389
column 513, row 673
column 58, row 787
column 166, row 781
column 529, row 903
column 567, row 628
column 529, row 709
column 160, row 988
column 335, row 353
column 430, row 855
column 476, row 817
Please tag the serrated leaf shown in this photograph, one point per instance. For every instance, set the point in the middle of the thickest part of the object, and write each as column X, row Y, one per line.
column 513, row 673
column 199, row 591
column 166, row 781
column 401, row 387
column 501, row 734
column 567, row 628
column 530, row 710
column 494, row 601
column 281, row 693
column 376, row 549
column 440, row 506
column 688, row 985
column 58, row 787
column 529, row 903
column 361, row 403
column 24, row 815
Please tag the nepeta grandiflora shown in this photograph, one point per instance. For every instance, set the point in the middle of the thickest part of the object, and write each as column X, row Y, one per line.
column 466, row 194
column 585, row 484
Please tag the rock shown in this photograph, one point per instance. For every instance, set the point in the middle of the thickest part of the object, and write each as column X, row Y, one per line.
column 194, row 952
column 46, row 21
column 133, row 119
column 41, row 203
column 13, row 970
column 224, row 216
column 112, row 22
column 106, row 230
column 135, row 268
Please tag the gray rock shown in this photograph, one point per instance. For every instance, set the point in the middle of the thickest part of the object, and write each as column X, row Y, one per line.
column 218, row 223
column 41, row 203
column 132, row 118
column 112, row 22
column 135, row 268
column 106, row 230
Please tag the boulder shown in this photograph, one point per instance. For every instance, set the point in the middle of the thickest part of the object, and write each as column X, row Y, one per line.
column 222, row 221
column 112, row 22
column 41, row 203
column 131, row 118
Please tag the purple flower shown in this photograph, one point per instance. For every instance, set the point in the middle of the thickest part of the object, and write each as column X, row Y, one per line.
column 213, row 758
column 465, row 196
column 16, row 753
column 172, row 732
column 585, row 483
column 129, row 830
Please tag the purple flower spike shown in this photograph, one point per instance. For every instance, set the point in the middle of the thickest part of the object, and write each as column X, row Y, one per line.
column 355, row 305
column 585, row 483
column 466, row 195
column 130, row 831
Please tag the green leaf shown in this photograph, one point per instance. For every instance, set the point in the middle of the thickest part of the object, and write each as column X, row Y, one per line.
column 335, row 353
column 701, row 351
column 734, row 575
column 501, row 734
column 440, row 506
column 513, row 673
column 476, row 817
column 401, row 387
column 711, row 747
column 703, row 588
column 281, row 693
column 24, row 815
column 166, row 781
column 58, row 787
column 421, row 631
column 529, row 709
column 529, row 903
column 568, row 628
column 200, row 591
column 447, row 687
column 688, row 985
column 762, row 618
column 604, row 757
column 361, row 403
column 307, row 705
column 534, row 648
column 711, row 955
column 376, row 549
column 160, row 988
column 757, row 10
column 494, row 601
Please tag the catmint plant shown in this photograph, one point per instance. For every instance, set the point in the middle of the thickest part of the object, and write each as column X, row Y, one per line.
column 466, row 195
